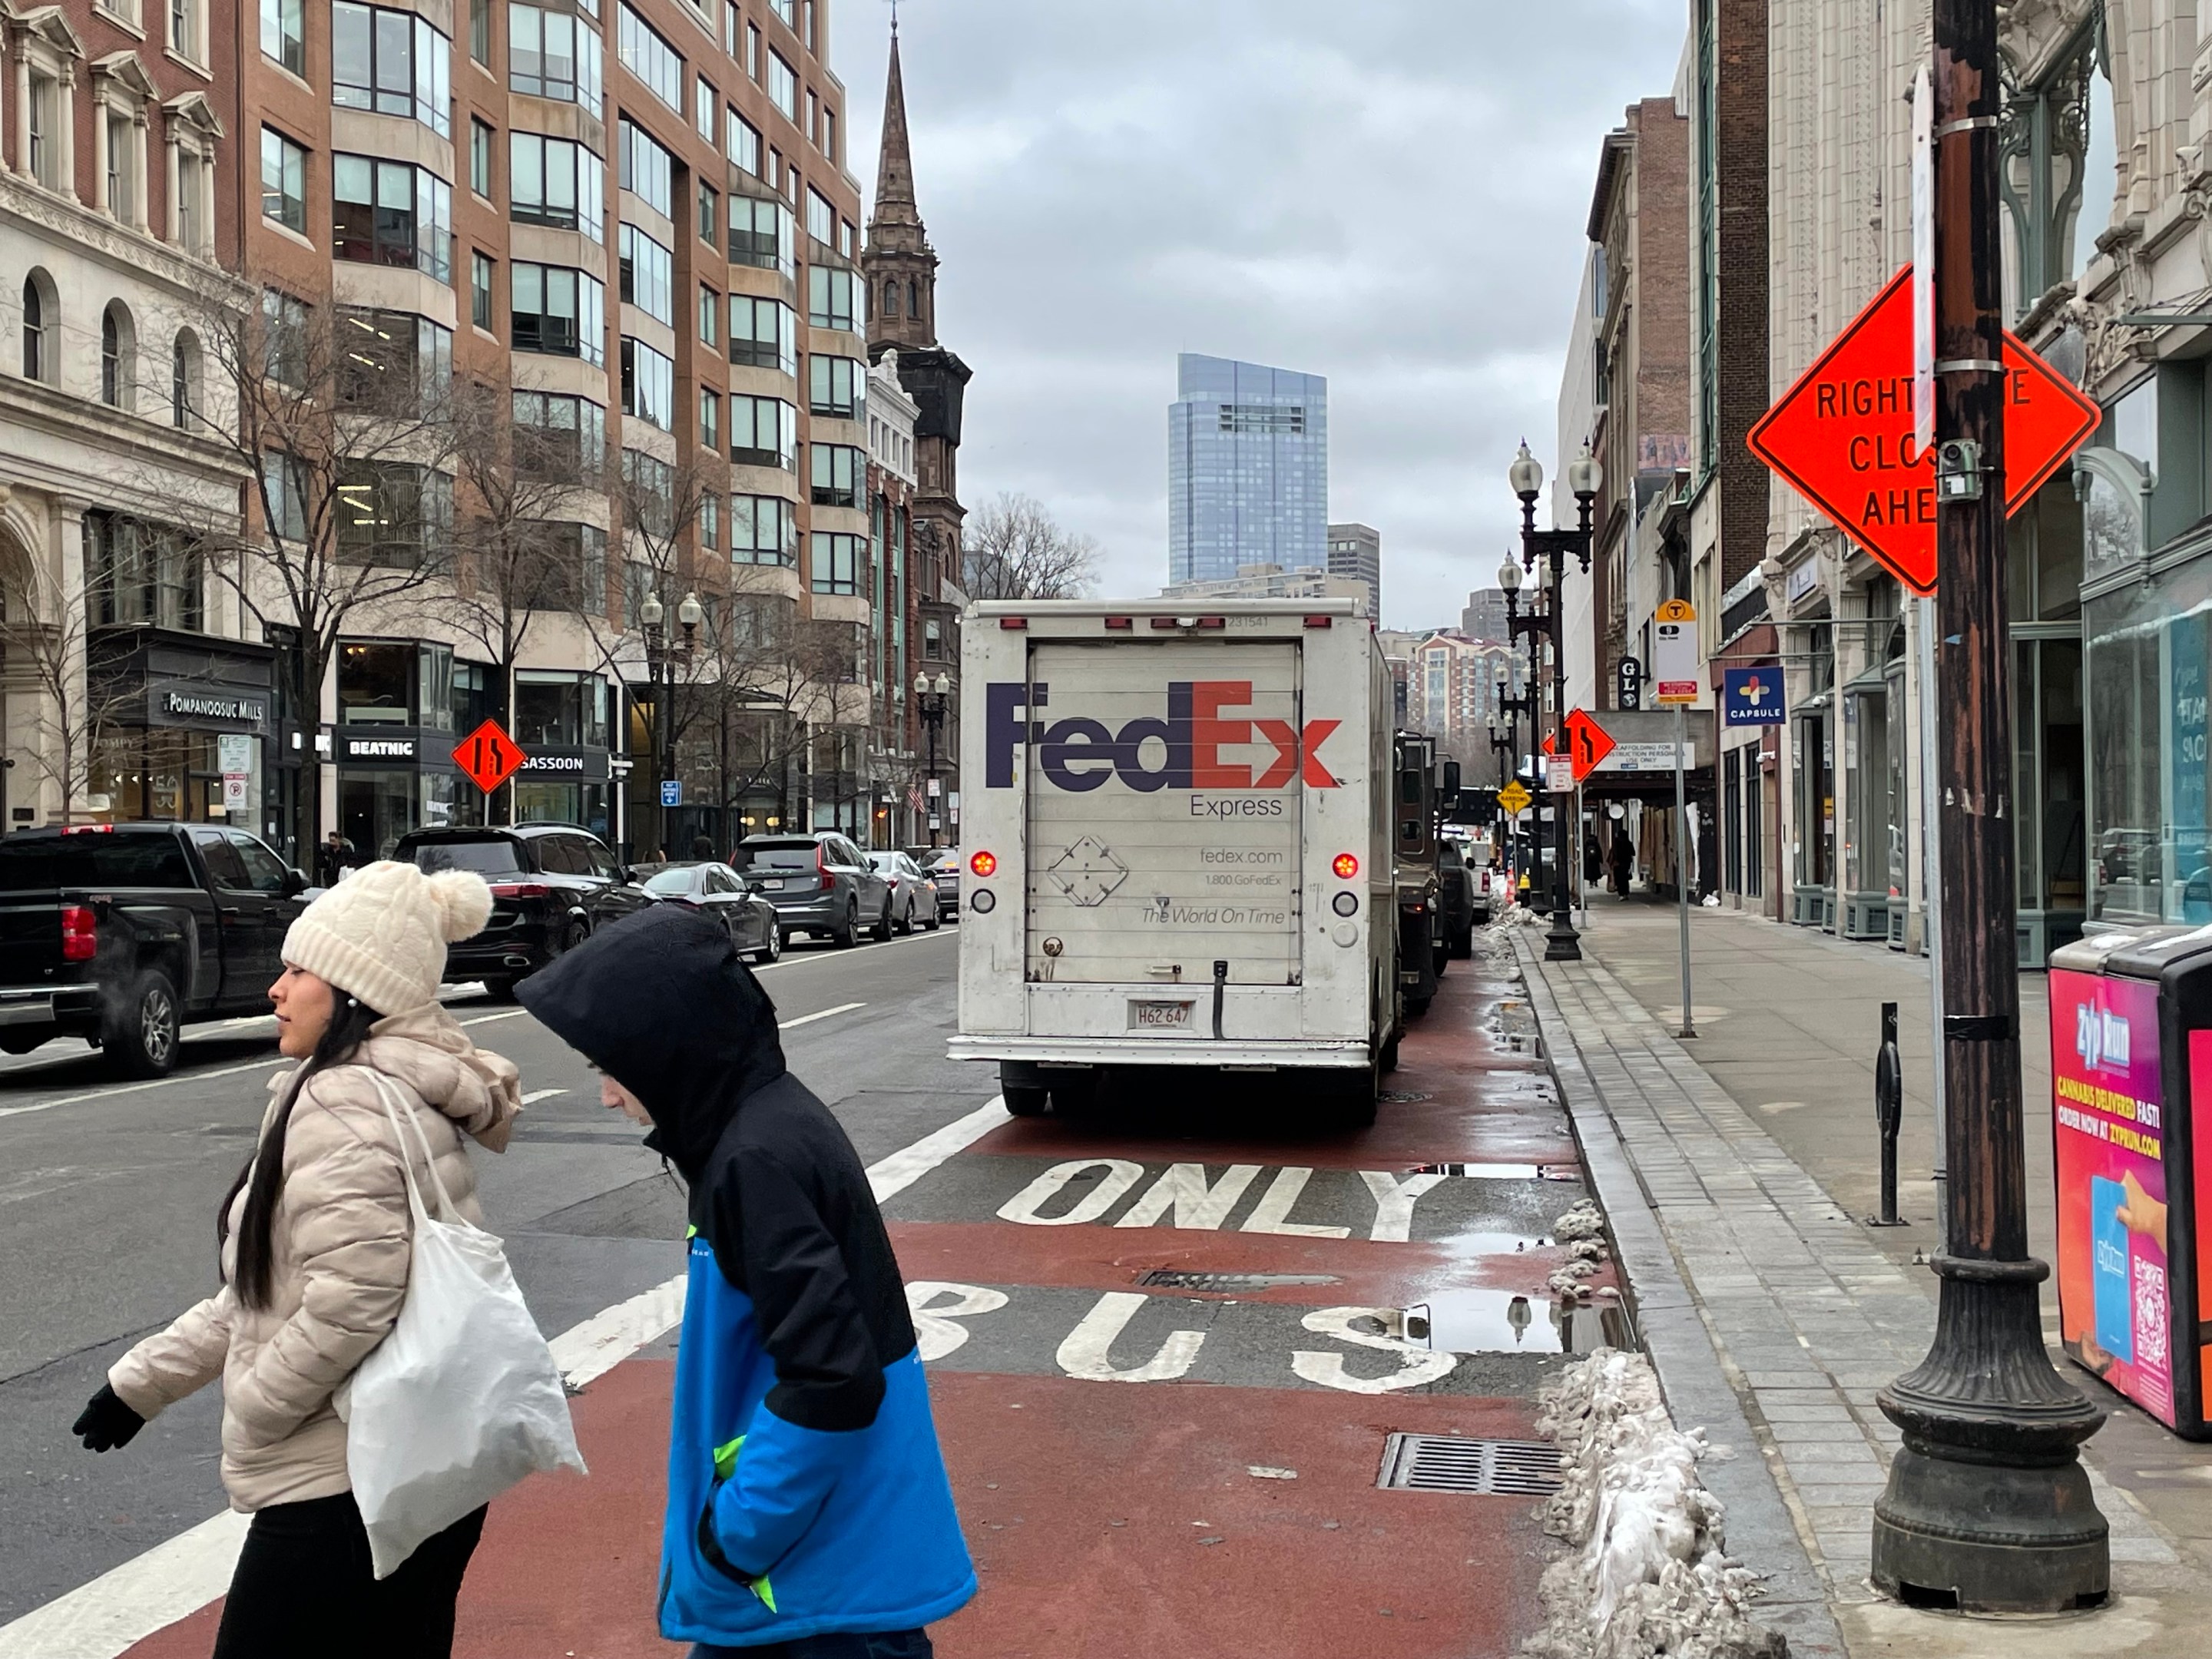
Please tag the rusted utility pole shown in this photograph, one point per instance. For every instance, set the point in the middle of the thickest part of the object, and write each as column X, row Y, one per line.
column 1988, row 1507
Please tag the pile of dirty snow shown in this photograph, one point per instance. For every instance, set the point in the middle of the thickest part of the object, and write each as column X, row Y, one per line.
column 1647, row 1574
column 1581, row 1229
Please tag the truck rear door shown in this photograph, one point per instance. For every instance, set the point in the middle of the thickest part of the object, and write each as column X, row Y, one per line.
column 1164, row 821
column 30, row 910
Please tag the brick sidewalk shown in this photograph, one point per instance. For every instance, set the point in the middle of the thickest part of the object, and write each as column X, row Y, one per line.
column 1752, row 1197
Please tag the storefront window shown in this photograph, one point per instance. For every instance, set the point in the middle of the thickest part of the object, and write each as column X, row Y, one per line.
column 376, row 685
column 473, row 700
column 160, row 772
column 434, row 694
column 545, row 802
column 377, row 805
column 560, row 710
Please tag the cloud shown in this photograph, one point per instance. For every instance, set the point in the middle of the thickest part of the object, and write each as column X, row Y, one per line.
column 1392, row 195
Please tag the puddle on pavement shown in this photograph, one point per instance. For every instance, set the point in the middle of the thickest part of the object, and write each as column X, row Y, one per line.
column 1498, row 1322
column 1226, row 1284
column 1500, row 1171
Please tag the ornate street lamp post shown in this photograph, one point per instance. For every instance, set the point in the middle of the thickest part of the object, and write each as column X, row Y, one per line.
column 929, row 702
column 1547, row 549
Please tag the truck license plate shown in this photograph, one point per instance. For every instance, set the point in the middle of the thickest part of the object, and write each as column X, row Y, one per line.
column 1159, row 1016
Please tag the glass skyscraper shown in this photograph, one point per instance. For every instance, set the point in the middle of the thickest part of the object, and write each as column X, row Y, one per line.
column 1248, row 469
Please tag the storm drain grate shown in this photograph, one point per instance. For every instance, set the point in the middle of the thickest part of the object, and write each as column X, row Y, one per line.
column 1440, row 1462
column 1177, row 1279
column 1403, row 1097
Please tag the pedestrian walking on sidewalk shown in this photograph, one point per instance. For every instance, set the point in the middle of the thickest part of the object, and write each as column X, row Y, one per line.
column 1622, row 858
column 314, row 1241
column 809, row 1514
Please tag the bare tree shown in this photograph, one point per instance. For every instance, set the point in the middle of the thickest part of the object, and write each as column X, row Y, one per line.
column 342, row 422
column 1014, row 549
column 44, row 652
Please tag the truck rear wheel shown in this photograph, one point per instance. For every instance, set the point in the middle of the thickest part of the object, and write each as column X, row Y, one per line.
column 1025, row 1103
column 138, row 1030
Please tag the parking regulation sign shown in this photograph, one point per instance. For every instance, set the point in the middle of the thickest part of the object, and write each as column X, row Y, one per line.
column 1752, row 697
column 672, row 792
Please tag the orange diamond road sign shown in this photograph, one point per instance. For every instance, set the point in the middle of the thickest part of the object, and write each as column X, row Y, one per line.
column 1841, row 437
column 1588, row 743
column 489, row 755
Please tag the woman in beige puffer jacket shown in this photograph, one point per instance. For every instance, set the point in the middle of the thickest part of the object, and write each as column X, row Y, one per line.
column 316, row 1244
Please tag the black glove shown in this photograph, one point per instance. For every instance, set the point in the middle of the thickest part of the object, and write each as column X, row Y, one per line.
column 106, row 1422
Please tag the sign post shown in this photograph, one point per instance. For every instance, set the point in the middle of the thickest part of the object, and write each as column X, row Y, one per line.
column 1674, row 671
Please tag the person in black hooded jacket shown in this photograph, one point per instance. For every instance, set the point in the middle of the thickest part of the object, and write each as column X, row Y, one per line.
column 809, row 1513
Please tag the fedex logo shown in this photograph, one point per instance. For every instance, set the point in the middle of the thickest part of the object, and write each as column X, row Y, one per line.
column 1079, row 754
column 2100, row 1037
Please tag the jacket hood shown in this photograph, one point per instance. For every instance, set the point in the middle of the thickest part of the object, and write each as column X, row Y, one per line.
column 427, row 1049
column 660, row 1003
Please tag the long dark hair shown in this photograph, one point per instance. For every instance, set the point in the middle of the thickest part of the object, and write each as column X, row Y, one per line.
column 349, row 1023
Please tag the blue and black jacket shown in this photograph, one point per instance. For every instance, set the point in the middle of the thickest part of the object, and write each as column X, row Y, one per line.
column 806, row 1490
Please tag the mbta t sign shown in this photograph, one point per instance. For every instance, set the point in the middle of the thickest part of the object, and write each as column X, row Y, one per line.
column 1843, row 435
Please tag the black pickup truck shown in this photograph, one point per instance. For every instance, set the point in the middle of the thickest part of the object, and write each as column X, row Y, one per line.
column 121, row 933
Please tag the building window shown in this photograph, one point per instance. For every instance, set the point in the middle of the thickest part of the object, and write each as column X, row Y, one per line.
column 393, row 63
column 480, row 31
column 565, row 569
column 761, row 234
column 391, row 213
column 753, row 52
column 763, row 333
column 480, row 138
column 710, row 317
column 560, row 708
column 393, row 361
column 788, row 10
column 648, row 275
column 710, row 421
column 835, row 565
column 703, row 109
column 763, row 432
column 480, row 280
column 142, row 573
column 814, row 121
column 183, row 379
column 763, row 530
column 891, row 298
column 709, row 214
column 649, row 489
column 730, row 26
column 557, row 311
column 651, row 59
column 185, row 210
column 710, row 522
column 829, row 297
column 742, row 141
column 283, row 500
column 118, row 369
column 558, row 436
column 837, row 387
column 836, row 474
column 551, row 54
column 187, row 36
column 122, row 180
column 845, row 238
column 554, row 181
column 648, row 385
column 821, row 217
column 284, row 338
column 283, row 181
column 41, row 118
column 829, row 135
column 391, row 514
column 783, row 86
column 648, row 171
column 39, row 321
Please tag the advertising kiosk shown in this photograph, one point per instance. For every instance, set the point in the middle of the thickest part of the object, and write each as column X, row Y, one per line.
column 2132, row 1095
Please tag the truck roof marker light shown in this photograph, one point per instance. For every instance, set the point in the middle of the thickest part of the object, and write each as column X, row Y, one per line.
column 984, row 864
column 88, row 829
column 1346, row 865
column 1321, row 622
column 1212, row 622
column 1013, row 624
column 1120, row 625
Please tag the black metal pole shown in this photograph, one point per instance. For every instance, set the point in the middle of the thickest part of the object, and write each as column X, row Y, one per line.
column 1888, row 1112
column 1561, row 943
column 1988, row 1508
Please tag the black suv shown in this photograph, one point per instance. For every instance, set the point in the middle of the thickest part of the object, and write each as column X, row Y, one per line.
column 120, row 933
column 552, row 885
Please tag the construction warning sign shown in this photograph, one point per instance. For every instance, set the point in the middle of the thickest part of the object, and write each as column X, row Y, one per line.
column 1843, row 435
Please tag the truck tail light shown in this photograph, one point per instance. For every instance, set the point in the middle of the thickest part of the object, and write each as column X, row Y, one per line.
column 1320, row 622
column 1163, row 622
column 519, row 890
column 1013, row 624
column 984, row 864
column 1120, row 625
column 79, row 932
column 1346, row 865
column 1213, row 622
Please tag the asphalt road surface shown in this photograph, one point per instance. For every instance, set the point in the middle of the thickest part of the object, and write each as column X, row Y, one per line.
column 109, row 1195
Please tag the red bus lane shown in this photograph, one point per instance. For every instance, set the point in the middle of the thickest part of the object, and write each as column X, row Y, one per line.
column 1166, row 1368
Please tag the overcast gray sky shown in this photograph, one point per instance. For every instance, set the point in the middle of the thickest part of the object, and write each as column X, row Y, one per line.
column 1391, row 193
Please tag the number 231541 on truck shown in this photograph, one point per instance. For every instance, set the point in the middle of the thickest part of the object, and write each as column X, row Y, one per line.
column 1178, row 846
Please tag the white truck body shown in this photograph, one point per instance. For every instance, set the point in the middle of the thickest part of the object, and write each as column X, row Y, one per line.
column 1152, row 800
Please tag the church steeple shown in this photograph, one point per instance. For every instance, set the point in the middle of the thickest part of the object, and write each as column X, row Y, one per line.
column 899, row 264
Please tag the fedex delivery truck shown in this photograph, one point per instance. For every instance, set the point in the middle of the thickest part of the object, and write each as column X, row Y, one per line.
column 1177, row 833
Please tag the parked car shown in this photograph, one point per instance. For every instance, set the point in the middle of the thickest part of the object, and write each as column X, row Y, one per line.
column 914, row 895
column 123, row 933
column 1454, row 900
column 1490, row 894
column 553, row 886
column 821, row 885
column 714, row 890
column 942, row 865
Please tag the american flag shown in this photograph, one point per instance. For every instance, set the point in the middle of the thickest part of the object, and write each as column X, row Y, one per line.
column 914, row 798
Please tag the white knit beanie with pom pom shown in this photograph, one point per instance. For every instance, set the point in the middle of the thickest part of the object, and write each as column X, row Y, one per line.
column 381, row 934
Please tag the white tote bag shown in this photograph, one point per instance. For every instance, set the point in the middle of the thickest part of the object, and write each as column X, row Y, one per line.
column 462, row 1399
